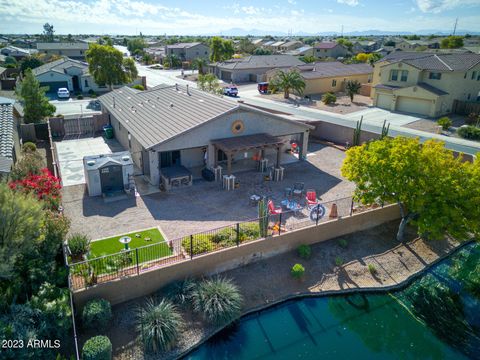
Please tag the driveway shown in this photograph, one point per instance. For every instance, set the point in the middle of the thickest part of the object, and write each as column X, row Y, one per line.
column 73, row 108
column 376, row 116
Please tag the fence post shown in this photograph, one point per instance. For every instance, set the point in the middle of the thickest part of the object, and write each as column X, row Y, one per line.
column 351, row 208
column 318, row 214
column 280, row 224
column 191, row 247
column 238, row 234
column 136, row 256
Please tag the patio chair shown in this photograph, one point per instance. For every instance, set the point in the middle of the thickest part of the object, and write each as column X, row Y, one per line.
column 298, row 188
column 311, row 198
column 272, row 209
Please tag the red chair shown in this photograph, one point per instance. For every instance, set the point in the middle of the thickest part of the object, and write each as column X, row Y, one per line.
column 272, row 209
column 311, row 198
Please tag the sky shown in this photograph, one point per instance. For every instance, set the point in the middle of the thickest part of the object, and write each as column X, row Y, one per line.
column 157, row 17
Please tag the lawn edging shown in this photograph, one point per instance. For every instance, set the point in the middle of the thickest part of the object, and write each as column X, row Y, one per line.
column 352, row 291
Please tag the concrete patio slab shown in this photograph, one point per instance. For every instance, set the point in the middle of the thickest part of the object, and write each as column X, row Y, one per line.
column 376, row 116
column 70, row 155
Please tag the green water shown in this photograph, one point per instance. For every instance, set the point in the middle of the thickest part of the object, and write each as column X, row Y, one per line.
column 436, row 317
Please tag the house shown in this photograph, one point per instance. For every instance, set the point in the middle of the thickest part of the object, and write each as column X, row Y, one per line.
column 173, row 132
column 16, row 52
column 67, row 73
column 365, row 46
column 257, row 42
column 7, row 143
column 73, row 50
column 330, row 76
column 275, row 47
column 252, row 68
column 329, row 49
column 188, row 51
column 291, row 45
column 157, row 53
column 425, row 83
column 409, row 45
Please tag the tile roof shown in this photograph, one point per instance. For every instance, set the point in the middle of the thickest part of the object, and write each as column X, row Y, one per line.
column 434, row 61
column 261, row 62
column 157, row 115
column 183, row 45
column 334, row 68
column 6, row 134
column 60, row 65
column 432, row 89
column 325, row 45
column 63, row 46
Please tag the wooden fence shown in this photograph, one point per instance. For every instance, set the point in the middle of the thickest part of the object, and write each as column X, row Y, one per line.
column 466, row 107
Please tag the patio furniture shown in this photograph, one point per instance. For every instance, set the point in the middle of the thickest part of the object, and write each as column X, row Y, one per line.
column 272, row 209
column 228, row 182
column 292, row 205
column 175, row 176
column 288, row 192
column 278, row 174
column 298, row 188
column 311, row 198
column 263, row 165
column 254, row 199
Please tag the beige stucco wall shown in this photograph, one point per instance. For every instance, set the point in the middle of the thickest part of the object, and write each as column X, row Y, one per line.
column 319, row 86
column 125, row 289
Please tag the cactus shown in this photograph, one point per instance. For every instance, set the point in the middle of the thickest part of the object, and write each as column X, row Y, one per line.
column 385, row 129
column 263, row 217
column 356, row 133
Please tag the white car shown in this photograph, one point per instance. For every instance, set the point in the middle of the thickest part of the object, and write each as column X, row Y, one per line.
column 63, row 93
column 230, row 90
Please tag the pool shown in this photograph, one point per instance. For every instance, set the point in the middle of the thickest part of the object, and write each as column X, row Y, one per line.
column 436, row 317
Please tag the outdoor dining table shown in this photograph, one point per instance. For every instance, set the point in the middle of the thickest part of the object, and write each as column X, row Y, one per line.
column 292, row 205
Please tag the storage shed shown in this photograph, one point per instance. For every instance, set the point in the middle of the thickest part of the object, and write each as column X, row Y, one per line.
column 108, row 174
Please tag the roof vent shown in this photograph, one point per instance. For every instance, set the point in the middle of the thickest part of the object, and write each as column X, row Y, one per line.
column 171, row 104
column 176, row 86
column 91, row 162
column 188, row 90
column 125, row 158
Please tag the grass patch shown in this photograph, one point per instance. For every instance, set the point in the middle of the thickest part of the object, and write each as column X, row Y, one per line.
column 112, row 245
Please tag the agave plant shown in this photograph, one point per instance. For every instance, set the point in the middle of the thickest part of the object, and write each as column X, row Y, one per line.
column 218, row 300
column 160, row 324
column 180, row 292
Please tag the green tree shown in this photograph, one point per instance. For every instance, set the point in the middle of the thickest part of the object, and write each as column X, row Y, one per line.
column 209, row 82
column 246, row 46
column 352, row 88
column 31, row 162
column 10, row 60
column 221, row 49
column 36, row 106
column 30, row 62
column 136, row 44
column 452, row 42
column 434, row 189
column 172, row 61
column 345, row 42
column 289, row 81
column 108, row 66
column 200, row 64
column 308, row 59
column 261, row 51
column 48, row 32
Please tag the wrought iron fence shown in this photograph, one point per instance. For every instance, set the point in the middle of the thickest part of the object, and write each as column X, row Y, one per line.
column 134, row 261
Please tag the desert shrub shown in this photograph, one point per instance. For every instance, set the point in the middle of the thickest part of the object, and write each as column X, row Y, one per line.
column 97, row 348
column 343, row 243
column 338, row 261
column 201, row 244
column 218, row 300
column 224, row 236
column 444, row 122
column 97, row 314
column 372, row 269
column 297, row 271
column 91, row 92
column 249, row 231
column 329, row 98
column 472, row 119
column 159, row 324
column 469, row 132
column 180, row 292
column 138, row 87
column 80, row 97
column 29, row 163
column 304, row 251
column 29, row 147
column 78, row 244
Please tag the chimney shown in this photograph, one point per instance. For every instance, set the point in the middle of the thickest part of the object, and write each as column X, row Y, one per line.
column 188, row 90
column 176, row 86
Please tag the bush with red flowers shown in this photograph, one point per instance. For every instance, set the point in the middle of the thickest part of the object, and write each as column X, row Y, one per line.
column 44, row 185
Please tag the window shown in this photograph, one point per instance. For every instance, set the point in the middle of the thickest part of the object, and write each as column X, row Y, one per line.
column 86, row 83
column 435, row 75
column 169, row 158
column 334, row 83
column 404, row 75
column 394, row 75
column 468, row 97
column 465, row 76
column 474, row 75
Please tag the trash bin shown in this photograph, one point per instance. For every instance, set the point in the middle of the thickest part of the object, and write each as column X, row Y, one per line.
column 108, row 131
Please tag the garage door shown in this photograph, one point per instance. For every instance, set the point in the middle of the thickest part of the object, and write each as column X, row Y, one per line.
column 55, row 85
column 226, row 76
column 384, row 101
column 414, row 106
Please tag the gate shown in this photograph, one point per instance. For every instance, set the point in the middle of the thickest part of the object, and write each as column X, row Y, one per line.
column 79, row 126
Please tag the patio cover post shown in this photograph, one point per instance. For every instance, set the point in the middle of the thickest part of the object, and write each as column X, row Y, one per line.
column 277, row 165
column 229, row 163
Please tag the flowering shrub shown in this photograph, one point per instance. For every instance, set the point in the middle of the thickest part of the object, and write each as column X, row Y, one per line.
column 44, row 185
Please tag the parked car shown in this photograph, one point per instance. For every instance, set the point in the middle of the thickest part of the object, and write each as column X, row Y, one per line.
column 230, row 90
column 63, row 93
column 156, row 67
column 262, row 87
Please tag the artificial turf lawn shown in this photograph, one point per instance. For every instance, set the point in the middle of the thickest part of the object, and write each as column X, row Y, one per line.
column 113, row 246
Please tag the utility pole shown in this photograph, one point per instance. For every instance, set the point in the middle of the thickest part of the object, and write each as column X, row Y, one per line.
column 455, row 26
column 342, row 32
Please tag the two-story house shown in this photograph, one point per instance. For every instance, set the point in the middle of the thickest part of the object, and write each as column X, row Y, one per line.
column 73, row 50
column 425, row 83
column 188, row 51
column 329, row 49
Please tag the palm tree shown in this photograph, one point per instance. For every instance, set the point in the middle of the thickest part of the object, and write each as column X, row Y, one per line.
column 289, row 81
column 200, row 64
column 353, row 87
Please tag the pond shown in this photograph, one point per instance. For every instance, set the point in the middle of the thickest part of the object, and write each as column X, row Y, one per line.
column 436, row 317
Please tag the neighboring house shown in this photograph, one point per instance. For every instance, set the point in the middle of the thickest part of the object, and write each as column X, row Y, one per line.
column 7, row 142
column 252, row 68
column 16, row 52
column 472, row 49
column 291, row 45
column 275, row 47
column 158, row 53
column 365, row 46
column 409, row 45
column 301, row 51
column 330, row 50
column 257, row 42
column 425, row 83
column 174, row 132
column 73, row 50
column 332, row 76
column 188, row 51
